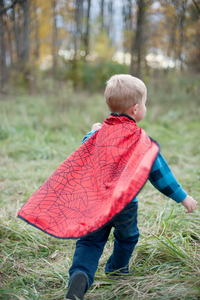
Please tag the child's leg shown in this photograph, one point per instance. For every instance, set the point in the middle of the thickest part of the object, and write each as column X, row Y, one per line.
column 87, row 254
column 126, row 237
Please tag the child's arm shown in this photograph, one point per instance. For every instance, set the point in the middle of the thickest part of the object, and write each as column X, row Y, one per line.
column 162, row 178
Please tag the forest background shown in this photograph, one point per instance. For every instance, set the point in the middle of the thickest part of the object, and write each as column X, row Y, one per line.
column 55, row 59
column 86, row 41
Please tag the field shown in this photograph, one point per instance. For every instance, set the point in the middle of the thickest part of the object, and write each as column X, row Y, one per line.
column 38, row 132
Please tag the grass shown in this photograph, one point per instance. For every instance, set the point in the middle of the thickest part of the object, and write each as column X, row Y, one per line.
column 37, row 133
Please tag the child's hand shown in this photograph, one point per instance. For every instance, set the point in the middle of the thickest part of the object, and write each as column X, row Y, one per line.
column 96, row 126
column 189, row 203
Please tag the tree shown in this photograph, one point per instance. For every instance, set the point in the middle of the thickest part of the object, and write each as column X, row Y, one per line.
column 137, row 42
column 20, row 20
column 175, row 29
column 193, row 39
column 109, row 25
column 16, row 33
column 3, row 46
column 87, row 32
column 183, row 8
column 101, row 3
column 78, row 19
column 25, row 46
column 128, row 33
column 54, row 37
column 9, row 38
column 36, row 51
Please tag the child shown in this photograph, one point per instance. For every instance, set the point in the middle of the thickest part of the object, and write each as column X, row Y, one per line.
column 95, row 188
column 126, row 98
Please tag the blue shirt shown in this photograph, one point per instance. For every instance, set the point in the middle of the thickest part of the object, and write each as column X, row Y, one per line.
column 161, row 177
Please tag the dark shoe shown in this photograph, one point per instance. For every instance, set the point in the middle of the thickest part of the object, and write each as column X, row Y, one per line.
column 77, row 287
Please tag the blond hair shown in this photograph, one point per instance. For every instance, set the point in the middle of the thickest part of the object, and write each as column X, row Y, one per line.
column 122, row 91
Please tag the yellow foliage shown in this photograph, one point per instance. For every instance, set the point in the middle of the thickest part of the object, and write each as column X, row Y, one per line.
column 103, row 47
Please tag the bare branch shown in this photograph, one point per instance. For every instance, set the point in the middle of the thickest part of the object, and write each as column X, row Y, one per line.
column 197, row 7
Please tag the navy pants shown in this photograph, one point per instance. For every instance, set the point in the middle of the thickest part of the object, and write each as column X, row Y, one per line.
column 89, row 249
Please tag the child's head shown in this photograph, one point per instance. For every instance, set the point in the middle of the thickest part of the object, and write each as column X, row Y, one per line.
column 123, row 91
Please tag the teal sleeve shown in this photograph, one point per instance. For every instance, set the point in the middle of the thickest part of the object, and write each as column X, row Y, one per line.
column 162, row 178
column 88, row 135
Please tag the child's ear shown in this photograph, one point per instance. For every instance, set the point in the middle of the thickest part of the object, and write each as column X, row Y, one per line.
column 134, row 109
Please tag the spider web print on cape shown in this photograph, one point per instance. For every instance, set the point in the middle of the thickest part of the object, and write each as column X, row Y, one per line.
column 95, row 182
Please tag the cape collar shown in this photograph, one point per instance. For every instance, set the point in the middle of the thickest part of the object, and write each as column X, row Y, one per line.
column 122, row 115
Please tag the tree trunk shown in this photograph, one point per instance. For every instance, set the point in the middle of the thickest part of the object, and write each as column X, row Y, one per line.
column 16, row 34
column 172, row 41
column 138, row 41
column 110, row 17
column 127, row 14
column 25, row 52
column 175, row 24
column 87, row 34
column 182, row 31
column 127, row 24
column 79, row 36
column 10, row 43
column 3, row 48
column 37, row 41
column 102, row 13
column 54, row 38
column 197, row 67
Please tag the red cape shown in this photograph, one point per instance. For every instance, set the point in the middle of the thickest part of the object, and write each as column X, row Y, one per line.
column 95, row 182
